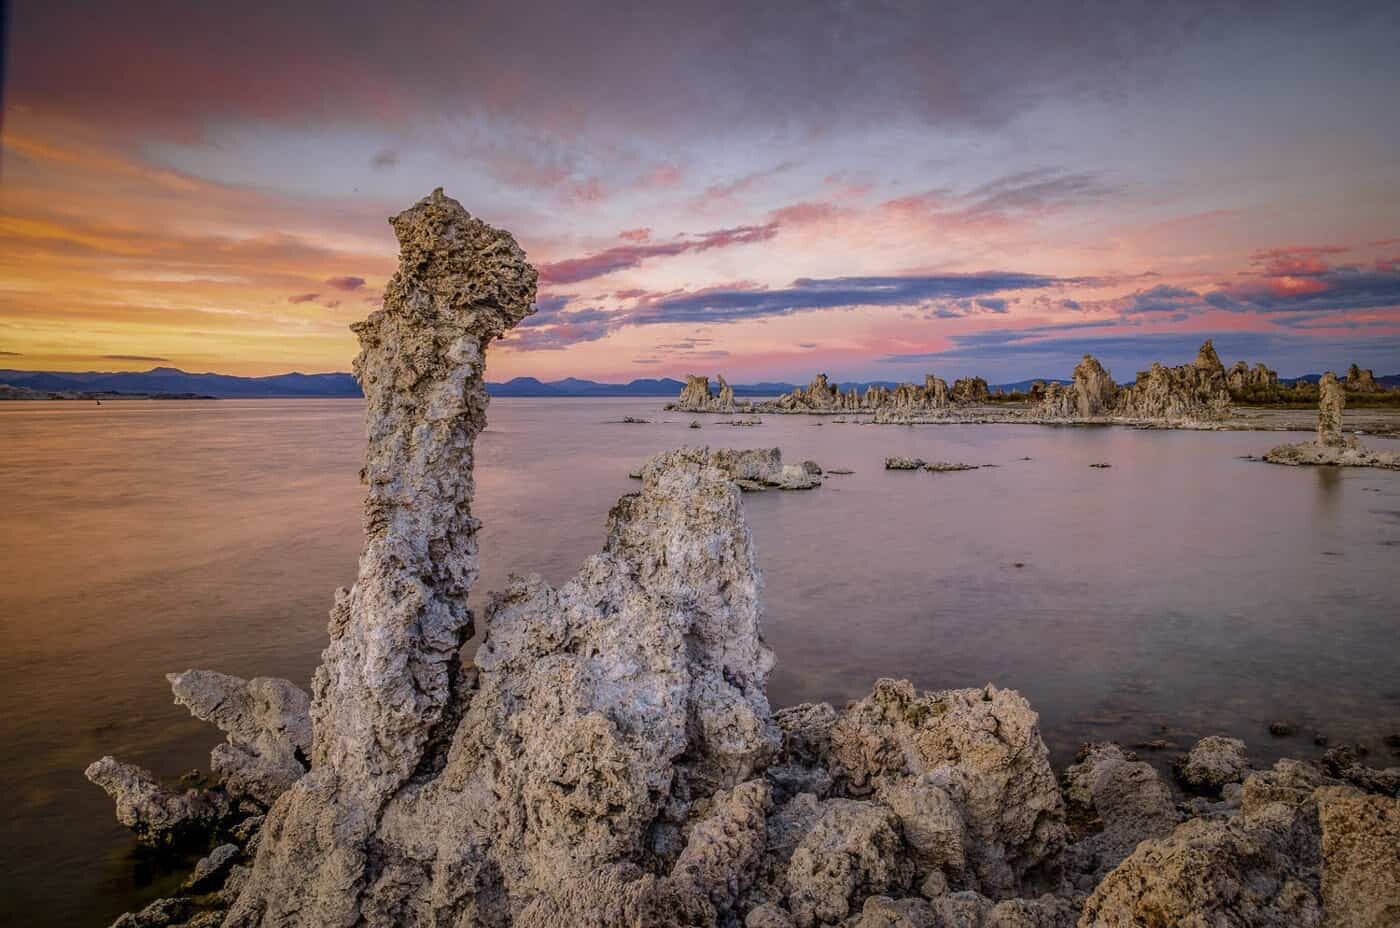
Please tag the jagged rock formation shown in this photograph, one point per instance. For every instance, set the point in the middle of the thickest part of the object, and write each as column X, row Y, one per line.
column 389, row 683
column 268, row 724
column 1244, row 382
column 610, row 758
column 1331, row 401
column 904, row 401
column 1193, row 392
column 1332, row 447
column 970, row 390
column 760, row 468
column 1091, row 394
column 696, row 396
column 818, row 396
column 159, row 816
column 1361, row 381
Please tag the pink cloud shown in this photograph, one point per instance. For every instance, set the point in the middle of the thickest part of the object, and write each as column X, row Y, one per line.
column 621, row 257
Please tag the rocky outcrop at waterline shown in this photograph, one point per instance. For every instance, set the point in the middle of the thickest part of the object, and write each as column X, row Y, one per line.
column 1361, row 380
column 1191, row 392
column 696, row 396
column 610, row 758
column 1092, row 394
column 1332, row 447
column 1244, row 382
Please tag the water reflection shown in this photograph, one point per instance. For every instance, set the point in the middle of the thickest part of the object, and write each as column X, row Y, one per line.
column 1180, row 592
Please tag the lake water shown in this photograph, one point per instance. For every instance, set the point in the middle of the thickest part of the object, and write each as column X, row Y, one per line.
column 1181, row 592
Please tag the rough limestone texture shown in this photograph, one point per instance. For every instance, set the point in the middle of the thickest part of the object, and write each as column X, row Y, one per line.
column 933, row 397
column 1213, row 762
column 1241, row 378
column 268, row 724
column 968, row 391
column 1332, row 447
column 1123, row 801
column 601, row 716
column 609, row 757
column 1361, row 380
column 696, row 396
column 1360, row 858
column 1090, row 396
column 1331, row 402
column 160, row 817
column 389, row 682
column 851, row 851
column 982, row 747
column 1192, row 392
column 760, row 468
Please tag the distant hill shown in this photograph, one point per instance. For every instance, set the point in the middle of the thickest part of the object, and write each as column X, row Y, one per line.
column 170, row 380
column 572, row 386
column 161, row 380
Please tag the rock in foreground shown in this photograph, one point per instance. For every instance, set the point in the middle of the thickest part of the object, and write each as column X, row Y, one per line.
column 609, row 758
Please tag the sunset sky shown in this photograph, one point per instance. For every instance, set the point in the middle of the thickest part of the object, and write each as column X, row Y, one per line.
column 765, row 190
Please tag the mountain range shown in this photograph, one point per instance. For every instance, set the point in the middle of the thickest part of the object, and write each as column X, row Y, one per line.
column 168, row 380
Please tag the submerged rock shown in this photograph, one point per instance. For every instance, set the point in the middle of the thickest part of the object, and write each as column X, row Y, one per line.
column 160, row 817
column 941, row 467
column 268, row 724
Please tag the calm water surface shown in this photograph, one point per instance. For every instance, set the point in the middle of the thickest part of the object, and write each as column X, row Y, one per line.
column 1180, row 592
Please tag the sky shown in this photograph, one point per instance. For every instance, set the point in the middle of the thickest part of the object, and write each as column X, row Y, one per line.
column 875, row 190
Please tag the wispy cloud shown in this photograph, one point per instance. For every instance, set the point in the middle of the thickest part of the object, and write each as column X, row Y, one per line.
column 638, row 250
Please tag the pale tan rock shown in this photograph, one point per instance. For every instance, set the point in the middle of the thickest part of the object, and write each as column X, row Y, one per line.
column 1331, row 400
column 1208, row 873
column 695, row 395
column 1196, row 392
column 389, row 679
column 852, row 851
column 725, row 851
column 1360, row 858
column 983, row 748
column 268, row 724
column 159, row 816
column 970, row 390
column 1361, row 380
column 1091, row 395
column 1213, row 762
